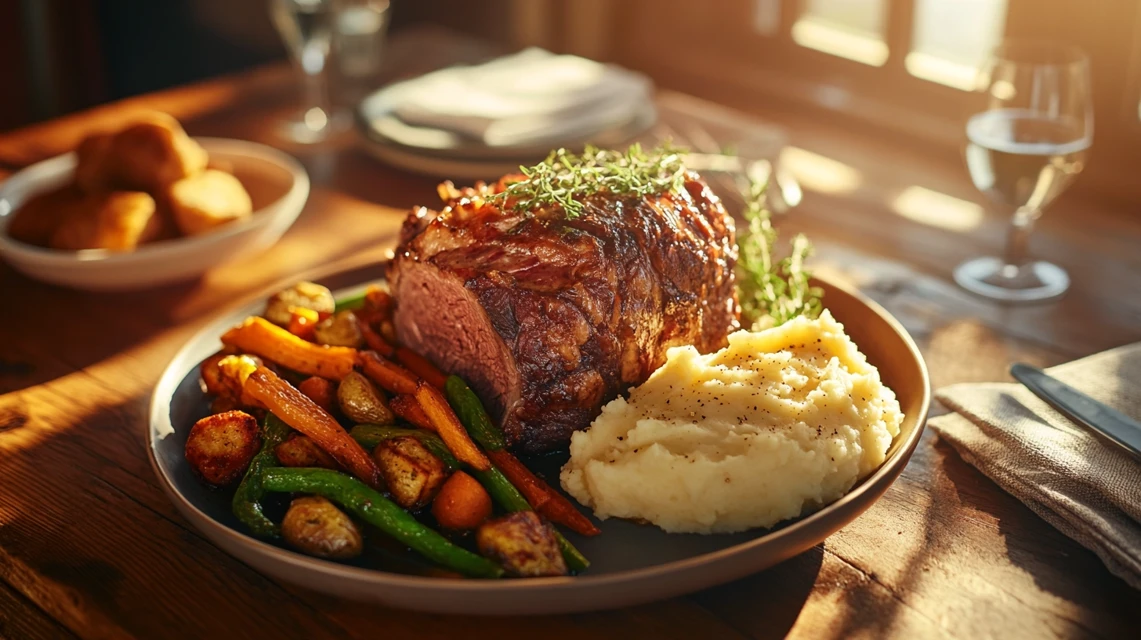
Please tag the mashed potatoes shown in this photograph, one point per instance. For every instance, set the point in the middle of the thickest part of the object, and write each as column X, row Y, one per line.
column 780, row 422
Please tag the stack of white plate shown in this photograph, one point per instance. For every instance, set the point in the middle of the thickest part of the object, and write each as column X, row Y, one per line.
column 481, row 121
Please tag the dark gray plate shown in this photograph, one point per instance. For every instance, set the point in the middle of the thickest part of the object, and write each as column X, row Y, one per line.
column 631, row 563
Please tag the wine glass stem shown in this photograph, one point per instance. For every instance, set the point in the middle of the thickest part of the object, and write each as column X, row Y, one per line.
column 1018, row 238
column 316, row 91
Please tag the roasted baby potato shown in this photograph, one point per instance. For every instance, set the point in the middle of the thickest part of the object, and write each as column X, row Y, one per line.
column 233, row 370
column 206, row 200
column 38, row 218
column 387, row 331
column 113, row 220
column 339, row 330
column 523, row 543
column 306, row 295
column 412, row 474
column 212, row 379
column 315, row 526
column 361, row 401
column 301, row 451
column 219, row 447
column 148, row 155
column 227, row 381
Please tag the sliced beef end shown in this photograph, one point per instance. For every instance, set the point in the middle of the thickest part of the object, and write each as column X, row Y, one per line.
column 439, row 318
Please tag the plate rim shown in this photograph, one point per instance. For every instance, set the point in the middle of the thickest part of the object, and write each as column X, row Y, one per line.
column 877, row 483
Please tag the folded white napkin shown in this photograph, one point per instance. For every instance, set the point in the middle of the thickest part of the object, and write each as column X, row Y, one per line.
column 530, row 97
column 1087, row 488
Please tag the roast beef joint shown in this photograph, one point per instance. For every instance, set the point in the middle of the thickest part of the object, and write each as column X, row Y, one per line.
column 548, row 316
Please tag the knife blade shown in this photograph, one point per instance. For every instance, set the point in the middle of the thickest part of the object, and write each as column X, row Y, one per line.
column 1082, row 409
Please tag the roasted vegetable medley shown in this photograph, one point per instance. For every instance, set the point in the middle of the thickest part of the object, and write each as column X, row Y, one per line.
column 315, row 399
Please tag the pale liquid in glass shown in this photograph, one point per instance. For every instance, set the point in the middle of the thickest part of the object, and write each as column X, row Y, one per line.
column 1022, row 158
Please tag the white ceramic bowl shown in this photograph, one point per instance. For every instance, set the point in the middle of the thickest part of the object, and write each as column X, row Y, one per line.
column 278, row 186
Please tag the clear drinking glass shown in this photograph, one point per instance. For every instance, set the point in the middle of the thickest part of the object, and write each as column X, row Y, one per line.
column 306, row 26
column 359, row 36
column 1022, row 152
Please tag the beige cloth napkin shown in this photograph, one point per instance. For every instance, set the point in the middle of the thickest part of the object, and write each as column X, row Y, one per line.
column 1087, row 488
column 526, row 98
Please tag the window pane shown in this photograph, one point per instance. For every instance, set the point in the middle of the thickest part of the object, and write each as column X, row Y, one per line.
column 766, row 16
column 952, row 38
column 852, row 29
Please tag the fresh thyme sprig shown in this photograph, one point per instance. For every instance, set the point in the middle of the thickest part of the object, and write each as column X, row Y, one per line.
column 565, row 178
column 771, row 292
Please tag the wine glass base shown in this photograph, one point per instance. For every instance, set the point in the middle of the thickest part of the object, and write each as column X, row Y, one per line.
column 993, row 278
column 313, row 126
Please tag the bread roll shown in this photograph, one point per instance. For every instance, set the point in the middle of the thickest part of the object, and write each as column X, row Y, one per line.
column 204, row 201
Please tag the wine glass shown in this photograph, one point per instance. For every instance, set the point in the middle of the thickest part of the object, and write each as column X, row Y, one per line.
column 1023, row 151
column 306, row 26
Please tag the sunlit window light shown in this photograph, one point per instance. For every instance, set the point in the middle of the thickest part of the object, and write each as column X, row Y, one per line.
column 766, row 17
column 1003, row 90
column 852, row 29
column 819, row 173
column 937, row 209
column 941, row 70
column 952, row 38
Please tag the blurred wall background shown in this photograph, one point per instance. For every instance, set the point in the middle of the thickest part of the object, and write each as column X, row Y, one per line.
column 900, row 68
column 66, row 55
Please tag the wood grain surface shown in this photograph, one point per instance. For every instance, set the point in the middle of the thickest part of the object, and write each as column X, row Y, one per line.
column 91, row 548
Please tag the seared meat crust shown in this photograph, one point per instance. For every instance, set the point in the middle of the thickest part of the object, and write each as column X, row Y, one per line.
column 550, row 317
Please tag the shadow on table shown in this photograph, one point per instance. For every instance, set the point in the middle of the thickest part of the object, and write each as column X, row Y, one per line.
column 1056, row 563
column 871, row 605
column 767, row 604
column 72, row 329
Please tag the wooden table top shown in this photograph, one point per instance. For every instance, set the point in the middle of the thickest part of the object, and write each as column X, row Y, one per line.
column 91, row 547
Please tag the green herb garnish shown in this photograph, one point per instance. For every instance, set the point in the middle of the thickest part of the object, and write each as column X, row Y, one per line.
column 771, row 292
column 565, row 178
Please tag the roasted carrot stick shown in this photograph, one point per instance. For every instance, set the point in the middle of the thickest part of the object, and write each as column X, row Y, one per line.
column 298, row 411
column 561, row 511
column 373, row 339
column 542, row 497
column 390, row 376
column 421, row 366
column 409, row 408
column 520, row 476
column 260, row 337
column 449, row 427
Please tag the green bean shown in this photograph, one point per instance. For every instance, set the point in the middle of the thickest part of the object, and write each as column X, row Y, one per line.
column 508, row 497
column 471, row 412
column 370, row 435
column 474, row 417
column 576, row 562
column 379, row 511
column 501, row 490
column 355, row 301
column 247, row 499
